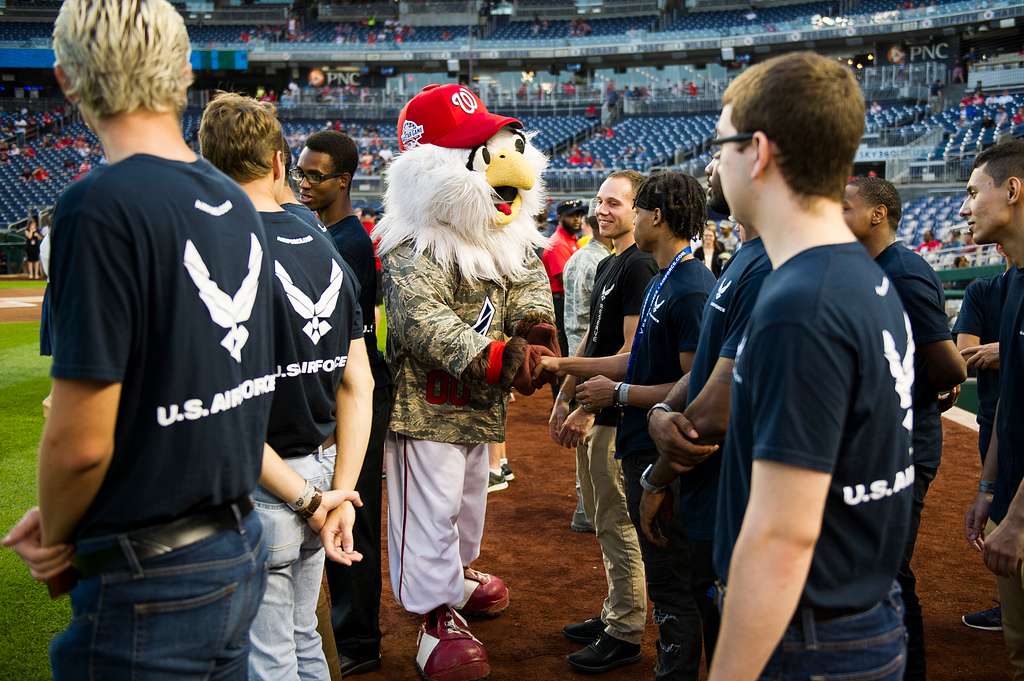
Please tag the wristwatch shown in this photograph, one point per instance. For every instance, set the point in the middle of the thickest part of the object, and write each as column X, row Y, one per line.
column 622, row 394
column 660, row 406
column 646, row 483
column 310, row 509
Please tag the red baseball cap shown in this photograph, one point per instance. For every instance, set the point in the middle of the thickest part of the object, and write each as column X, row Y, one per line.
column 449, row 116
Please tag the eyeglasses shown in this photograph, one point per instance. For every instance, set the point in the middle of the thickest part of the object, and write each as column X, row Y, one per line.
column 298, row 175
column 738, row 137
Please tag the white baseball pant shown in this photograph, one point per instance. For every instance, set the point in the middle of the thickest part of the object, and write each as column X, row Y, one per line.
column 437, row 499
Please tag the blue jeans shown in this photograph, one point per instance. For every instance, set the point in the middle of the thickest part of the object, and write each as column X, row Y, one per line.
column 285, row 642
column 871, row 645
column 182, row 615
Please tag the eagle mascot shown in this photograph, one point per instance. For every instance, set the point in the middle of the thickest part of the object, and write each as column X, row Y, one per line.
column 469, row 315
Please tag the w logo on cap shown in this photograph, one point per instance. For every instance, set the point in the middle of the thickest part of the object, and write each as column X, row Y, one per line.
column 465, row 100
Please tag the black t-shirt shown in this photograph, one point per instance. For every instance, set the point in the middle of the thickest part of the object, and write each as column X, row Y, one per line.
column 304, row 214
column 355, row 247
column 45, row 325
column 722, row 327
column 316, row 316
column 1009, row 426
column 169, row 294
column 979, row 316
column 823, row 382
column 619, row 285
column 920, row 291
column 673, row 327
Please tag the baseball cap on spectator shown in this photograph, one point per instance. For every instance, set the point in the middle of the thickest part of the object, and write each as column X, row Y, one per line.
column 571, row 206
column 449, row 116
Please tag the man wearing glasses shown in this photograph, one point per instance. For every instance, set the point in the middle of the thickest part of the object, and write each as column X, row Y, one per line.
column 324, row 175
column 813, row 508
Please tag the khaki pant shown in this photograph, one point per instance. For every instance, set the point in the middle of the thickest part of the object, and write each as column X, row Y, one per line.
column 604, row 499
column 323, row 625
column 1011, row 598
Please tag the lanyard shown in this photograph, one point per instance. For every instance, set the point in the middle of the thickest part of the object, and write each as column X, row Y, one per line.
column 646, row 309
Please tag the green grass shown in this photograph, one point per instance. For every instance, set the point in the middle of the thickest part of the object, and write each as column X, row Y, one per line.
column 28, row 618
column 28, row 283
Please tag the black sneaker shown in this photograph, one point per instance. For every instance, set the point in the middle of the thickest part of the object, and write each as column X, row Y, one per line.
column 605, row 654
column 496, row 482
column 986, row 620
column 351, row 666
column 506, row 470
column 586, row 631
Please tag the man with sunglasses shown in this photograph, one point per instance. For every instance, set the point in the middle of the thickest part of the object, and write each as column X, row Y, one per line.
column 817, row 473
column 324, row 175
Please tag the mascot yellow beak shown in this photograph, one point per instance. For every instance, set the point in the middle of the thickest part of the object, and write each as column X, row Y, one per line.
column 508, row 173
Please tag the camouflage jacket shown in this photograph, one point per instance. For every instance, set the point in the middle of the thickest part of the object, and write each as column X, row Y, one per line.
column 437, row 323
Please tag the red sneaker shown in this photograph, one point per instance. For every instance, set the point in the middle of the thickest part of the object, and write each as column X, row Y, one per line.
column 447, row 651
column 485, row 595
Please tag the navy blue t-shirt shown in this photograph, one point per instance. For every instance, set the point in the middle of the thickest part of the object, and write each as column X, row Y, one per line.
column 823, row 381
column 45, row 325
column 979, row 316
column 724, row 322
column 316, row 316
column 304, row 214
column 169, row 294
column 355, row 247
column 920, row 291
column 673, row 327
column 1009, row 426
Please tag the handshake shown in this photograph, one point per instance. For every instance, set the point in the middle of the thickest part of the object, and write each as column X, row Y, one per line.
column 517, row 362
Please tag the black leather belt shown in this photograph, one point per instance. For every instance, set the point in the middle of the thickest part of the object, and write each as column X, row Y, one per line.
column 151, row 542
column 826, row 614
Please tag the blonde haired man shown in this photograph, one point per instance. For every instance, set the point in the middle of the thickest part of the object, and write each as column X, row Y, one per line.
column 318, row 343
column 163, row 372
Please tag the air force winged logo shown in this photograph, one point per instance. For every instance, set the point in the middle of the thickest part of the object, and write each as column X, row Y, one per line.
column 227, row 312
column 315, row 314
column 722, row 288
column 655, row 307
column 882, row 288
column 484, row 319
column 902, row 370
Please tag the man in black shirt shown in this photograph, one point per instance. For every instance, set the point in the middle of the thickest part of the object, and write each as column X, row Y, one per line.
column 871, row 209
column 320, row 416
column 619, row 286
column 285, row 195
column 163, row 371
column 813, row 508
column 704, row 394
column 977, row 338
column 324, row 175
column 994, row 210
column 670, row 212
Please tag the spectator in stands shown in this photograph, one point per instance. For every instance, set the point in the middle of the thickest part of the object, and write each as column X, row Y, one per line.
column 961, row 262
column 591, row 112
column 14, row 150
column 26, row 174
column 928, row 242
column 876, row 108
column 692, row 88
column 21, row 126
column 588, row 160
column 1001, row 116
column 729, row 238
column 872, row 208
column 575, row 157
column 994, row 208
column 1018, row 117
column 710, row 250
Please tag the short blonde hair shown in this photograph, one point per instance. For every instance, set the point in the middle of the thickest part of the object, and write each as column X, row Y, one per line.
column 240, row 136
column 812, row 108
column 123, row 55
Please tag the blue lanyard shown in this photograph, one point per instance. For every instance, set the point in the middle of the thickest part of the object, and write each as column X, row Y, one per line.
column 646, row 311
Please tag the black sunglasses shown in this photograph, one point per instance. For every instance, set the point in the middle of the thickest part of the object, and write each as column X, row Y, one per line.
column 298, row 175
column 738, row 137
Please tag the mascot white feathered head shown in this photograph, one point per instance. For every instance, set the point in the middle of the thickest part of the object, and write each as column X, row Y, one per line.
column 465, row 187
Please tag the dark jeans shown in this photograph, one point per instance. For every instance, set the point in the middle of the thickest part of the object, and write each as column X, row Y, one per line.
column 668, row 572
column 867, row 646
column 355, row 590
column 916, row 668
column 185, row 614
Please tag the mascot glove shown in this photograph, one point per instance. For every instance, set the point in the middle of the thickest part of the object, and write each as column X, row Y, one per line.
column 523, row 380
